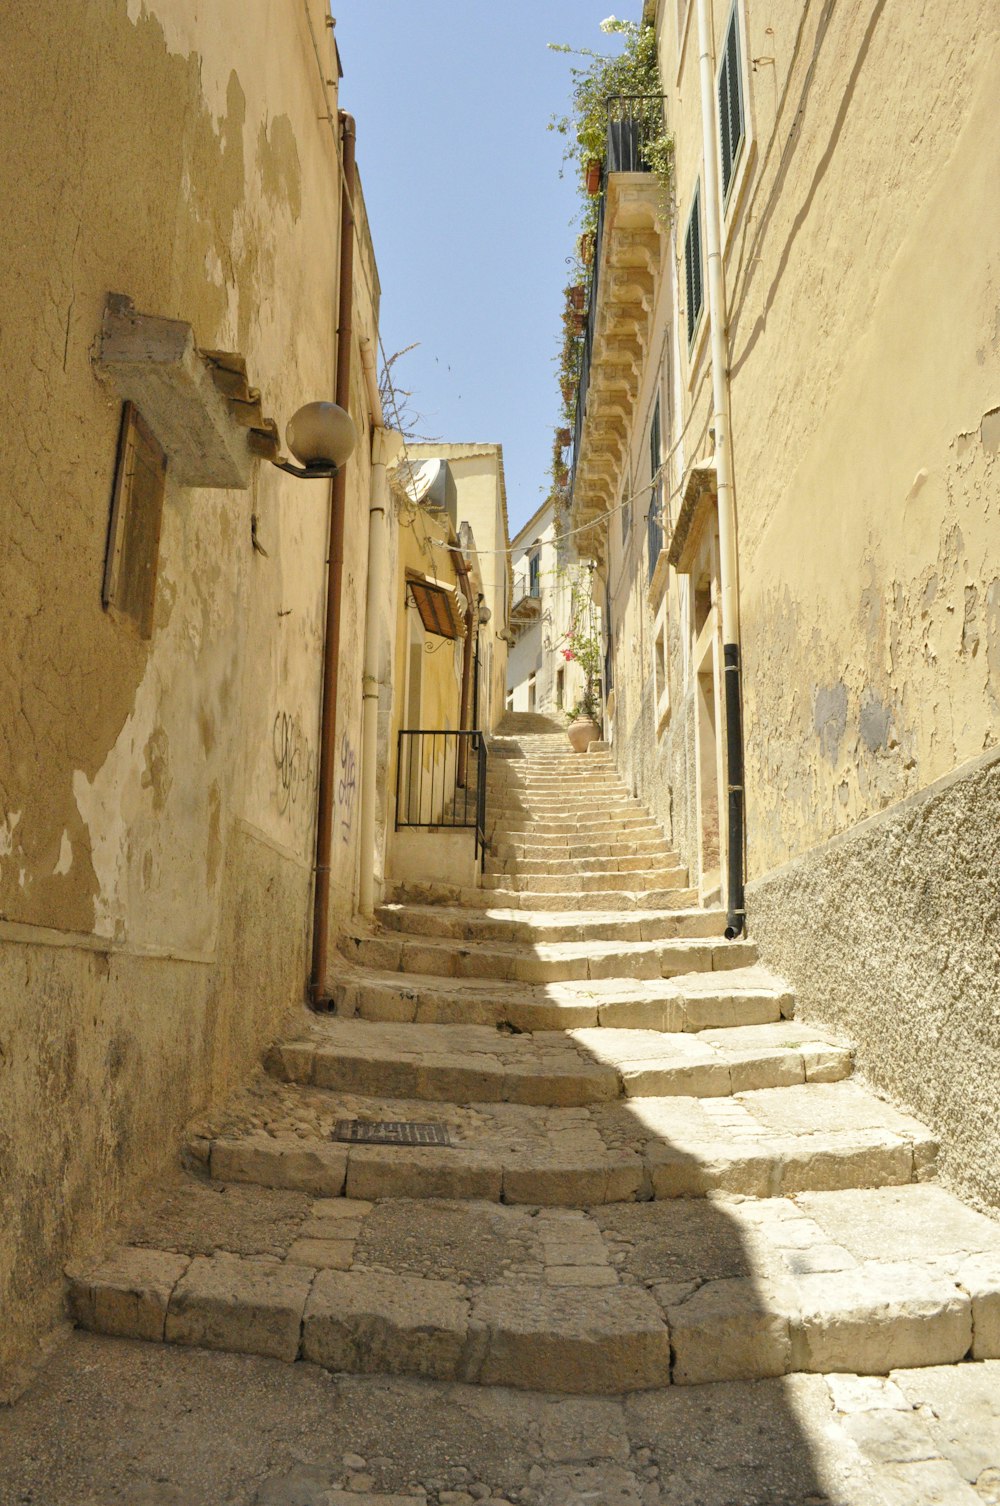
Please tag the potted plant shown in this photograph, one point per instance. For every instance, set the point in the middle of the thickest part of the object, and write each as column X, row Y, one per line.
column 593, row 175
column 563, row 437
column 584, row 648
column 576, row 295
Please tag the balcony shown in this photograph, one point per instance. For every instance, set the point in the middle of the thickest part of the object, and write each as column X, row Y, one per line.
column 628, row 251
column 526, row 602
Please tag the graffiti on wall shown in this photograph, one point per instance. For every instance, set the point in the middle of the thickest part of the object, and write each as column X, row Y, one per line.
column 294, row 761
column 346, row 786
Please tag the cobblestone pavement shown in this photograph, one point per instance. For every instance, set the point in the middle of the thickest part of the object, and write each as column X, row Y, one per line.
column 114, row 1421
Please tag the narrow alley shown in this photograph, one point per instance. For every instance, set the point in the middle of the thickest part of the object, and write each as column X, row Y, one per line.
column 500, row 754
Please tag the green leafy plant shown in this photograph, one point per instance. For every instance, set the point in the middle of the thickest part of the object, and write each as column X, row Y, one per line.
column 603, row 82
column 631, row 77
column 583, row 646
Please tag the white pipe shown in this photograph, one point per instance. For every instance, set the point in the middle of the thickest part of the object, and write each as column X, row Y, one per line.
column 376, row 612
column 718, row 319
column 371, row 382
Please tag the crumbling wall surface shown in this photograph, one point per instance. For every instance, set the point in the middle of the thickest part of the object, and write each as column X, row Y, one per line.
column 866, row 415
column 156, row 796
column 891, row 933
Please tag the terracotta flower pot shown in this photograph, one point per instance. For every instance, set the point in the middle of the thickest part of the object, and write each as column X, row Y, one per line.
column 567, row 389
column 593, row 176
column 582, row 733
column 587, row 247
column 563, row 438
column 575, row 295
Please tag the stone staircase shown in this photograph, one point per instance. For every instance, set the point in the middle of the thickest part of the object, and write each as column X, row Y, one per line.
column 653, row 1173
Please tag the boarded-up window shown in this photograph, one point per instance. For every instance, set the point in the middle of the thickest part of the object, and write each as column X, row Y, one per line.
column 136, row 513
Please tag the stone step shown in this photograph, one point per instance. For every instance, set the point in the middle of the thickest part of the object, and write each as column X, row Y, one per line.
column 586, row 881
column 533, row 899
column 464, row 924
column 569, row 866
column 595, row 823
column 618, row 1299
column 565, row 807
column 769, row 1142
column 691, row 1002
column 545, row 961
column 511, row 776
column 581, row 850
column 478, row 1064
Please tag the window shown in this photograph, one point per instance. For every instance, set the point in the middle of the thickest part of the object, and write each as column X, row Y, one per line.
column 654, row 524
column 134, row 534
column 560, row 688
column 732, row 124
column 533, row 566
column 531, row 692
column 692, row 265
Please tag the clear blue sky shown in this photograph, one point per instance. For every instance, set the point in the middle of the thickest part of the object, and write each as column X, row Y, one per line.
column 470, row 219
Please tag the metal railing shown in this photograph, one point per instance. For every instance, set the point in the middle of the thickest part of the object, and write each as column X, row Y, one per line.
column 629, row 128
column 525, row 588
column 441, row 781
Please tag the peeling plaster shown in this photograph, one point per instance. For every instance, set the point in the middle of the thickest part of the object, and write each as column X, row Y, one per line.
column 65, row 862
column 830, row 718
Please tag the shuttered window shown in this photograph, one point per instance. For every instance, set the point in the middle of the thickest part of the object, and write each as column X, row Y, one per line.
column 129, row 591
column 732, row 125
column 692, row 265
column 654, row 524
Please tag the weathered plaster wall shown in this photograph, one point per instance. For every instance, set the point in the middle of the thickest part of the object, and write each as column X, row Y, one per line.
column 891, row 932
column 866, row 388
column 156, row 797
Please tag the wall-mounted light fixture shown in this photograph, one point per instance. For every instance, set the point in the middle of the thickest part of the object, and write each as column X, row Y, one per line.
column 321, row 436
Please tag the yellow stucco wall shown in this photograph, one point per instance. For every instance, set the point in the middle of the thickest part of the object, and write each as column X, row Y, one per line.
column 865, row 366
column 156, row 798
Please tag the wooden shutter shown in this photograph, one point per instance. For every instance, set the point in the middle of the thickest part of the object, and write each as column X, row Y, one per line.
column 731, row 120
column 692, row 265
column 136, row 513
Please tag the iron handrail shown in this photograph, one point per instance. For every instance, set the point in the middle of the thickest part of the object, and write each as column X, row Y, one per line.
column 430, row 790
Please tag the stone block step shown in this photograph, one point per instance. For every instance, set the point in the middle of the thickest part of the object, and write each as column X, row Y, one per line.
column 464, row 924
column 618, row 1299
column 689, row 1002
column 565, row 808
column 479, row 1064
column 533, row 899
column 769, row 1142
column 574, row 832
column 589, row 885
column 568, row 867
column 579, row 850
column 545, row 961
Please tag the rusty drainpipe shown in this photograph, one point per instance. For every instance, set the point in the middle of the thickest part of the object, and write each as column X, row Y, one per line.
column 335, row 574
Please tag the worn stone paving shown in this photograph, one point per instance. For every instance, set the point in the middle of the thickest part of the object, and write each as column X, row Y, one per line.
column 672, row 1253
column 117, row 1423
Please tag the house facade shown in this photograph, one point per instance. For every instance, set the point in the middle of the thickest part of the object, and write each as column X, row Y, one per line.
column 785, row 461
column 551, row 592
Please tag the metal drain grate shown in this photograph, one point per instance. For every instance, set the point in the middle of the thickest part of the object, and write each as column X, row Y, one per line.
column 390, row 1132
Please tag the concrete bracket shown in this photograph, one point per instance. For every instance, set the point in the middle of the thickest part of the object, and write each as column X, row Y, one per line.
column 198, row 403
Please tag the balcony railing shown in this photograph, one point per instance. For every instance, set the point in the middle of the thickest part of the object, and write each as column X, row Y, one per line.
column 525, row 591
column 441, row 781
column 629, row 128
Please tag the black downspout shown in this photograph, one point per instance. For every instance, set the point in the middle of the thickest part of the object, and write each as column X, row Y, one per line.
column 736, row 916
